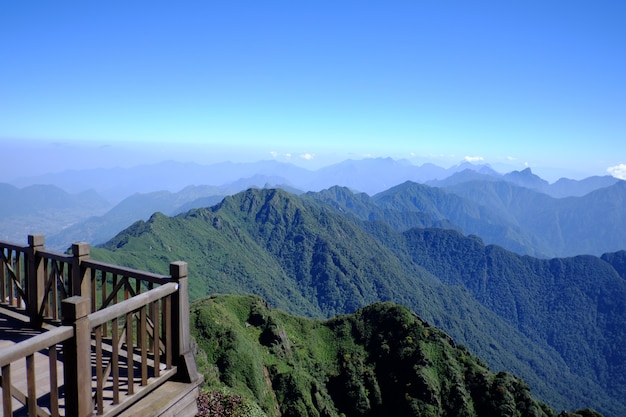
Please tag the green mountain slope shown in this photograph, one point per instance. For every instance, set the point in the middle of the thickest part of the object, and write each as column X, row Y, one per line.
column 306, row 258
column 520, row 219
column 382, row 360
column 590, row 224
column 411, row 205
column 577, row 305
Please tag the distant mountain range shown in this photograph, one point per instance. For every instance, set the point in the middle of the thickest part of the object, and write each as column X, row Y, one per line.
column 520, row 219
column 557, row 323
column 370, row 176
column 512, row 210
column 44, row 209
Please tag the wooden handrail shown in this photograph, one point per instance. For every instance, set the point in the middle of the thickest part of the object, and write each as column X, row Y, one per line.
column 35, row 344
column 12, row 246
column 128, row 272
column 61, row 257
column 130, row 305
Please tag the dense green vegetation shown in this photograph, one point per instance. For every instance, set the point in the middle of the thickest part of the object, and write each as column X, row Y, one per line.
column 382, row 360
column 316, row 257
column 591, row 224
column 517, row 218
column 576, row 304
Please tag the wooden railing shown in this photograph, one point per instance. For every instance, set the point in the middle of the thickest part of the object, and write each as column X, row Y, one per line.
column 25, row 351
column 12, row 275
column 34, row 281
column 127, row 328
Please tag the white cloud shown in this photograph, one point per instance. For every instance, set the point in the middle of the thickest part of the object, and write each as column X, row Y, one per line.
column 307, row 156
column 474, row 158
column 511, row 158
column 618, row 171
column 274, row 154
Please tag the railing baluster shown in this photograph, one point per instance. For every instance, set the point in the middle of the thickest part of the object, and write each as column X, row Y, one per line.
column 93, row 290
column 3, row 288
column 11, row 266
column 142, row 330
column 103, row 293
column 54, row 382
column 7, row 399
column 31, row 385
column 167, row 330
column 151, row 314
column 113, row 295
column 115, row 360
column 18, row 269
column 129, row 353
column 114, row 300
column 99, row 372
column 156, row 338
column 46, row 273
column 52, row 301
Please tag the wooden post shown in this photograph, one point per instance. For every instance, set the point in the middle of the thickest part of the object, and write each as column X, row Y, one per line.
column 77, row 357
column 181, row 335
column 35, row 279
column 81, row 279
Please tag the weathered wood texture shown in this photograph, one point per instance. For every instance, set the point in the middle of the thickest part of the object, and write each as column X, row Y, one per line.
column 30, row 368
column 125, row 333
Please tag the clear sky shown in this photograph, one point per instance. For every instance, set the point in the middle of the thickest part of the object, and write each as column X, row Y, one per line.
column 522, row 83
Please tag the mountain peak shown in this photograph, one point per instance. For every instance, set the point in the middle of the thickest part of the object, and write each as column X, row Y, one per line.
column 526, row 178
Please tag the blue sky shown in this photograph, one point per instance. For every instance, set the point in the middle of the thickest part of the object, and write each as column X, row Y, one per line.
column 509, row 83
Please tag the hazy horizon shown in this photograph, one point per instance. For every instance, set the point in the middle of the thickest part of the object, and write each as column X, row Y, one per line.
column 35, row 159
column 532, row 84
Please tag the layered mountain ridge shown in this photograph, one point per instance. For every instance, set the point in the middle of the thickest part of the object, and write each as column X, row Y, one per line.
column 549, row 227
column 308, row 255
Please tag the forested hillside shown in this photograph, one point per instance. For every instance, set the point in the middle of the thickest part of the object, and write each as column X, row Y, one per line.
column 310, row 257
column 520, row 219
column 589, row 224
column 577, row 305
column 380, row 361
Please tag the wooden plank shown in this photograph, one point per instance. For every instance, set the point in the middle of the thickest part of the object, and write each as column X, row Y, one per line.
column 170, row 399
column 141, row 392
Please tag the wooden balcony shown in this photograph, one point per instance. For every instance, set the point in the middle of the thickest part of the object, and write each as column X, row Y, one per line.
column 81, row 338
